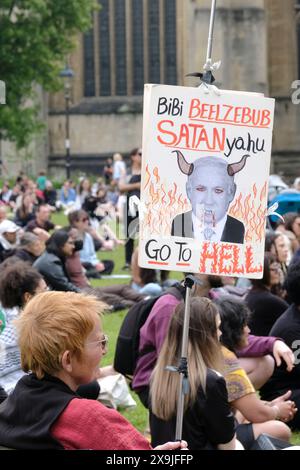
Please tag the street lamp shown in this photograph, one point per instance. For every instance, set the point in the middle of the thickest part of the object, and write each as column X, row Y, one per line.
column 67, row 74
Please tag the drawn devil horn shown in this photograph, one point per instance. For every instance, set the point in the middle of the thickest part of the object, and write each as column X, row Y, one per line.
column 234, row 168
column 185, row 167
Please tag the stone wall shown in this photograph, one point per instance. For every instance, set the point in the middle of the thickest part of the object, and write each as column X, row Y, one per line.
column 256, row 41
column 33, row 158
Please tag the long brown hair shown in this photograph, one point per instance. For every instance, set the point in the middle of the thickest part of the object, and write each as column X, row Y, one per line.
column 203, row 352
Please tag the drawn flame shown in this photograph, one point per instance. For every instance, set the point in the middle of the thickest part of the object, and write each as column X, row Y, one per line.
column 251, row 209
column 163, row 202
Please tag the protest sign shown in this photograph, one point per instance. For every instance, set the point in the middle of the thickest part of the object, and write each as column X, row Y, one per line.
column 206, row 159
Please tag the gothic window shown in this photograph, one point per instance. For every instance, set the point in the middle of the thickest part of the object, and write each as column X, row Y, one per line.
column 133, row 42
column 137, row 29
column 153, row 41
column 89, row 65
column 120, row 47
column 170, row 42
column 104, row 49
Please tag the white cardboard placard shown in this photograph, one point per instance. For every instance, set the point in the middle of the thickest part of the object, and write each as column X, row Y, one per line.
column 210, row 131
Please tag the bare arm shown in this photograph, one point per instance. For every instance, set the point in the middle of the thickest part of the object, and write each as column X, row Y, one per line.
column 182, row 445
column 258, row 411
column 135, row 269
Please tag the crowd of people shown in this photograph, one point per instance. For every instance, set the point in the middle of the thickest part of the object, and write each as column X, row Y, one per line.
column 52, row 339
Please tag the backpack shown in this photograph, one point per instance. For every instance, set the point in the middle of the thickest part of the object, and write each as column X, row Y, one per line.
column 127, row 347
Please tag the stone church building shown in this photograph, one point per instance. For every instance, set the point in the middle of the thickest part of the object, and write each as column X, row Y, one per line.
column 133, row 42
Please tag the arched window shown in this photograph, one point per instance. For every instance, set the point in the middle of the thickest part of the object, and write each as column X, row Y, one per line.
column 136, row 43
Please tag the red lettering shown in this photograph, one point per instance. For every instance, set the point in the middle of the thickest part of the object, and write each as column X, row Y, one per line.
column 184, row 135
column 249, row 262
column 246, row 116
column 265, row 119
column 195, row 110
column 195, row 127
column 223, row 266
column 214, row 112
column 229, row 109
column 208, row 255
column 204, row 138
column 237, row 115
column 204, row 110
column 219, row 139
column 256, row 114
column 235, row 259
column 162, row 130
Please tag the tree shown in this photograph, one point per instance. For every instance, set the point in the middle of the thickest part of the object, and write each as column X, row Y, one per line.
column 35, row 38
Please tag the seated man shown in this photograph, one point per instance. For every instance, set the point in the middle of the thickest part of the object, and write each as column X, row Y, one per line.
column 41, row 225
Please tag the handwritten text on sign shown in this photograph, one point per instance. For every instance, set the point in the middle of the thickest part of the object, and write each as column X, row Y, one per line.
column 205, row 168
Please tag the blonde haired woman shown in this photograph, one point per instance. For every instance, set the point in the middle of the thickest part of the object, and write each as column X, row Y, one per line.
column 208, row 422
column 62, row 343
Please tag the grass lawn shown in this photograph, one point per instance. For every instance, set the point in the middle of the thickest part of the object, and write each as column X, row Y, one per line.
column 112, row 322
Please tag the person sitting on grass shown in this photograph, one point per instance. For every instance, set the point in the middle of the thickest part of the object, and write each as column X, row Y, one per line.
column 117, row 296
column 208, row 422
column 88, row 257
column 51, row 264
column 62, row 343
column 255, row 416
column 19, row 282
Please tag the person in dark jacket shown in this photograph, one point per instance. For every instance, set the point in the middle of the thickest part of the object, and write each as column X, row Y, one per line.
column 266, row 307
column 287, row 327
column 52, row 262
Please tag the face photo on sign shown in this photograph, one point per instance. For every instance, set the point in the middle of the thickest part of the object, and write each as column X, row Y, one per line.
column 210, row 188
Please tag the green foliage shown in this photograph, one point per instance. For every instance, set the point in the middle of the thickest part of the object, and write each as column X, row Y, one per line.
column 36, row 36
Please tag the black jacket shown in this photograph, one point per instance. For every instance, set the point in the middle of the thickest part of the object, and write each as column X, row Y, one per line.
column 234, row 230
column 52, row 269
column 287, row 327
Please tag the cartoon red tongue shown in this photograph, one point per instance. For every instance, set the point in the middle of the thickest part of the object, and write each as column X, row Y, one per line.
column 209, row 217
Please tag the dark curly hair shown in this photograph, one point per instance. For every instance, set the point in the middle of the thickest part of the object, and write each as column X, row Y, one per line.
column 292, row 283
column 234, row 315
column 15, row 281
